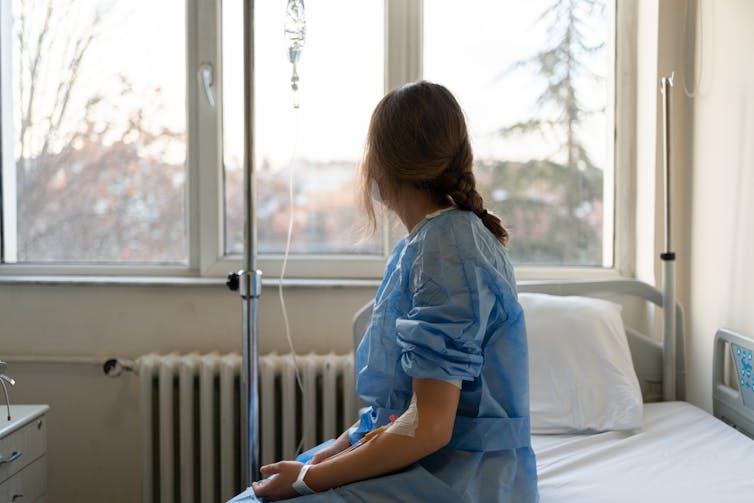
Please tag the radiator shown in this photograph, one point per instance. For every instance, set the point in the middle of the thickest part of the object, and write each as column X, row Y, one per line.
column 190, row 414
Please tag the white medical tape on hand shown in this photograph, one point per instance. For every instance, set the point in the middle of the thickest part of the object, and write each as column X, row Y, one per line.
column 408, row 421
column 406, row 424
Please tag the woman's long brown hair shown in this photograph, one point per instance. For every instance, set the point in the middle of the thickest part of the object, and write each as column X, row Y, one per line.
column 418, row 135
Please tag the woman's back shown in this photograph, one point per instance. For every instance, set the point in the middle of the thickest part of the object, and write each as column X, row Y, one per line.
column 447, row 310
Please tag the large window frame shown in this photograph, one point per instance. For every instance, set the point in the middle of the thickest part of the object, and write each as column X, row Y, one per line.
column 403, row 63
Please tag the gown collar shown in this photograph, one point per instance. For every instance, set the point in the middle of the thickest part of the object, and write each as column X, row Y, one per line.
column 428, row 217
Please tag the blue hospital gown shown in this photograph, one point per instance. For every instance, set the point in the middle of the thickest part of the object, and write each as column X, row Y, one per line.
column 447, row 309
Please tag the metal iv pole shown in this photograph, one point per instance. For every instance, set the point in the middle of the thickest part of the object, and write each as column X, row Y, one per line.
column 668, row 258
column 248, row 281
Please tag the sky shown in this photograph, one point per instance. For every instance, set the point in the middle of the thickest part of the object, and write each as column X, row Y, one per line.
column 342, row 74
column 141, row 39
column 470, row 50
column 342, row 71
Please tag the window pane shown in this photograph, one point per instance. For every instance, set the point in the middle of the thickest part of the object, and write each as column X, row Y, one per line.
column 534, row 78
column 99, row 127
column 342, row 75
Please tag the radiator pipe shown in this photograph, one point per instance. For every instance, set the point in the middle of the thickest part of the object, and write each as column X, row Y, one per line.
column 112, row 367
column 668, row 258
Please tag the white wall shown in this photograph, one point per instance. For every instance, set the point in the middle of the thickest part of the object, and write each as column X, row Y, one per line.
column 93, row 427
column 722, row 226
column 646, row 142
column 665, row 35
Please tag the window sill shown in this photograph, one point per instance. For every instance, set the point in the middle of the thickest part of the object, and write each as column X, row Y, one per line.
column 171, row 281
column 523, row 273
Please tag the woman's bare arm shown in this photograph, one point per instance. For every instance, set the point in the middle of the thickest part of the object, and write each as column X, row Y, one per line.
column 436, row 403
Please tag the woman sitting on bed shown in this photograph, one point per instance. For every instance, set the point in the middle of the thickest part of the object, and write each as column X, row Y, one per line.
column 443, row 363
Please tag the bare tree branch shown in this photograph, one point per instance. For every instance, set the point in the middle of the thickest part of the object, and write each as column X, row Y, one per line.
column 62, row 101
column 34, row 71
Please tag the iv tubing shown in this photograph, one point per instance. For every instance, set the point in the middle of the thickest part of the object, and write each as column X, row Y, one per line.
column 291, row 216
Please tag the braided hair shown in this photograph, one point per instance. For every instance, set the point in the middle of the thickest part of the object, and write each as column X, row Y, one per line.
column 418, row 135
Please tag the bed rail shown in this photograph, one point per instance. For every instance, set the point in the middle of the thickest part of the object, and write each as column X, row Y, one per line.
column 734, row 406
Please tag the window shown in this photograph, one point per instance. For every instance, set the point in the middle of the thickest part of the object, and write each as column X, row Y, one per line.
column 319, row 144
column 94, row 132
column 122, row 128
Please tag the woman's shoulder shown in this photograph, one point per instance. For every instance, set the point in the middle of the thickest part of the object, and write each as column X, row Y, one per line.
column 456, row 232
column 457, row 237
column 435, row 225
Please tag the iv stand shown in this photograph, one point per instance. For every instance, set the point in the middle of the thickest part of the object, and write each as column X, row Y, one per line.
column 668, row 258
column 248, row 281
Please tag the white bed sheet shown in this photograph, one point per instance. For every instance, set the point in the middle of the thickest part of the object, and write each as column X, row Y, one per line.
column 681, row 454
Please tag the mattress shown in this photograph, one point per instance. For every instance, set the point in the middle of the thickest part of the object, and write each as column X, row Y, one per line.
column 681, row 454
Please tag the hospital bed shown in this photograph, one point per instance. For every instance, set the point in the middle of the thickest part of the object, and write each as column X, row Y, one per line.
column 670, row 450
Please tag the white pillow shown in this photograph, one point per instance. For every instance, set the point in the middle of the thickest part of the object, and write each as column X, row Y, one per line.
column 581, row 375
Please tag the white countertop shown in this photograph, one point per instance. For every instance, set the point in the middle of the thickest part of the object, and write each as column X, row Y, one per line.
column 20, row 415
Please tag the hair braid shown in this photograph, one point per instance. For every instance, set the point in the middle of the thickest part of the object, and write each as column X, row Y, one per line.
column 466, row 197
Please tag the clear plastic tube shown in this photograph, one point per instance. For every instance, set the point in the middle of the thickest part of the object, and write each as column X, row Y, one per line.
column 295, row 33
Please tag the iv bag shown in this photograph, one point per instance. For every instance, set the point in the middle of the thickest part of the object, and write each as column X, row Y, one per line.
column 295, row 29
column 295, row 32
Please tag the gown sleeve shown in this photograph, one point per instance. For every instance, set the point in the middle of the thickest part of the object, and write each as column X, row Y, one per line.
column 442, row 335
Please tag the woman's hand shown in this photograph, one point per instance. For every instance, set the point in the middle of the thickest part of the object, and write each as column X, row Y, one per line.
column 279, row 477
column 280, row 486
column 341, row 443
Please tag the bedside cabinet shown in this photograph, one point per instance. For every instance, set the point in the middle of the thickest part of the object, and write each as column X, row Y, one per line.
column 23, row 444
